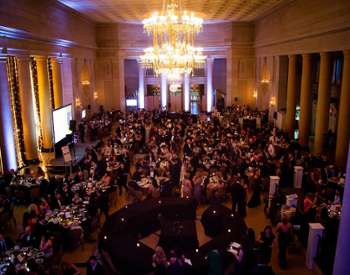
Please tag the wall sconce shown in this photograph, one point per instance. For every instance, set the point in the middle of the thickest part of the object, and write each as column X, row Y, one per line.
column 273, row 101
column 255, row 94
column 265, row 81
column 85, row 82
column 77, row 102
column 95, row 95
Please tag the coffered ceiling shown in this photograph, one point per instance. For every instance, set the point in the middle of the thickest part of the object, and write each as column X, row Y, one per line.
column 134, row 11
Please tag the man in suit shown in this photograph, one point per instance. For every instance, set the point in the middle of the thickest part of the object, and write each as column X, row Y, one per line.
column 238, row 195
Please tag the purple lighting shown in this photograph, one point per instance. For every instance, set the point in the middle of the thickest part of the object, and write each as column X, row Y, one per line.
column 7, row 135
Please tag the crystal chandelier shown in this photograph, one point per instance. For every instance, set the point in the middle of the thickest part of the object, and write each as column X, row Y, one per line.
column 173, row 52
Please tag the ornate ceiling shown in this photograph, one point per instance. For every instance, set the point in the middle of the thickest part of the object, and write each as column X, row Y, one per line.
column 136, row 10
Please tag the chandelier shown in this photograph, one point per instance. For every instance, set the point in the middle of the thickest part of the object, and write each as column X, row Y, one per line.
column 173, row 52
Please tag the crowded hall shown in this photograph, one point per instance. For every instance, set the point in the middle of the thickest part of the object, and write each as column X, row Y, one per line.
column 174, row 137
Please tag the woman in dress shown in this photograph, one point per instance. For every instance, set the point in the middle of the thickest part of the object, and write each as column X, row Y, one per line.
column 255, row 200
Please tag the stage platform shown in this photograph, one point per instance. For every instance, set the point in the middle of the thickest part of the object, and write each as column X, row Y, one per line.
column 58, row 166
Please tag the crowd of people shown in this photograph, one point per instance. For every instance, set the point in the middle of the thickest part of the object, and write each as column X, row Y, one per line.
column 210, row 158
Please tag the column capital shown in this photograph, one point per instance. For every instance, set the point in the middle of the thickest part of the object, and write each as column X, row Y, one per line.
column 292, row 56
column 40, row 58
column 23, row 58
column 324, row 54
column 56, row 59
column 3, row 58
column 346, row 53
column 210, row 59
column 306, row 56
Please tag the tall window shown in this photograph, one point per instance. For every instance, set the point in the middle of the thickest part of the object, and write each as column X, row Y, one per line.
column 337, row 68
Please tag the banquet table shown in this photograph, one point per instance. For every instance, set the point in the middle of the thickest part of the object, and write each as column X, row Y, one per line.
column 69, row 216
column 24, row 188
column 22, row 258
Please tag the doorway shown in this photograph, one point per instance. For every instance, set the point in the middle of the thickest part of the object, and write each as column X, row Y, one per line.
column 196, row 94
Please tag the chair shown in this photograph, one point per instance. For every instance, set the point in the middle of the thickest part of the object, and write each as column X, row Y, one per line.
column 35, row 193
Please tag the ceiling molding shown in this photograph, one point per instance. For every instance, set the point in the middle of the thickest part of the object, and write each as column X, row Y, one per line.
column 134, row 11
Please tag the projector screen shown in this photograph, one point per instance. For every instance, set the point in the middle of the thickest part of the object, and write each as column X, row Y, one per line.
column 61, row 119
column 131, row 102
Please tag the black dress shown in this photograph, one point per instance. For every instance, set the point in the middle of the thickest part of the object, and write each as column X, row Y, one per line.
column 283, row 242
column 266, row 246
column 255, row 200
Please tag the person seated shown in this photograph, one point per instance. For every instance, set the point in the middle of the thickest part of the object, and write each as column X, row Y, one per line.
column 76, row 199
column 214, row 259
column 33, row 210
column 66, row 195
column 178, row 265
column 94, row 267
column 5, row 244
column 27, row 238
column 56, row 202
column 106, row 180
column 46, row 246
column 308, row 205
column 159, row 261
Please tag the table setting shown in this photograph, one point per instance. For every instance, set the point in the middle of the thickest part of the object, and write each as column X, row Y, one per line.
column 22, row 258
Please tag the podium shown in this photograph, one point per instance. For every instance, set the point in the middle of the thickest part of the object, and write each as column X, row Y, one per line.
column 298, row 176
column 315, row 233
column 292, row 200
column 274, row 182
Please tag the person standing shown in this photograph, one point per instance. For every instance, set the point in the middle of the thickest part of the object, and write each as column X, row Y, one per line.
column 266, row 240
column 238, row 195
column 284, row 232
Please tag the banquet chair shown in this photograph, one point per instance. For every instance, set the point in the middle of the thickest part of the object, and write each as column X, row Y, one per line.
column 7, row 217
column 35, row 193
column 112, row 197
column 76, row 237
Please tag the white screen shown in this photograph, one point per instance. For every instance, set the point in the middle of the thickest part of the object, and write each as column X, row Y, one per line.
column 61, row 119
column 131, row 102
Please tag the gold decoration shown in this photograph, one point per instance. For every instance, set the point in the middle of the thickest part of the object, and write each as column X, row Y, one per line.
column 12, row 73
column 35, row 90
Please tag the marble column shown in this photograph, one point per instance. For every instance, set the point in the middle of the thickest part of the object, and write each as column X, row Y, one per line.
column 57, row 81
column 7, row 139
column 323, row 97
column 210, row 62
column 163, row 91
column 341, row 261
column 186, row 93
column 343, row 131
column 141, row 93
column 291, row 95
column 27, row 107
column 305, row 101
column 45, row 103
